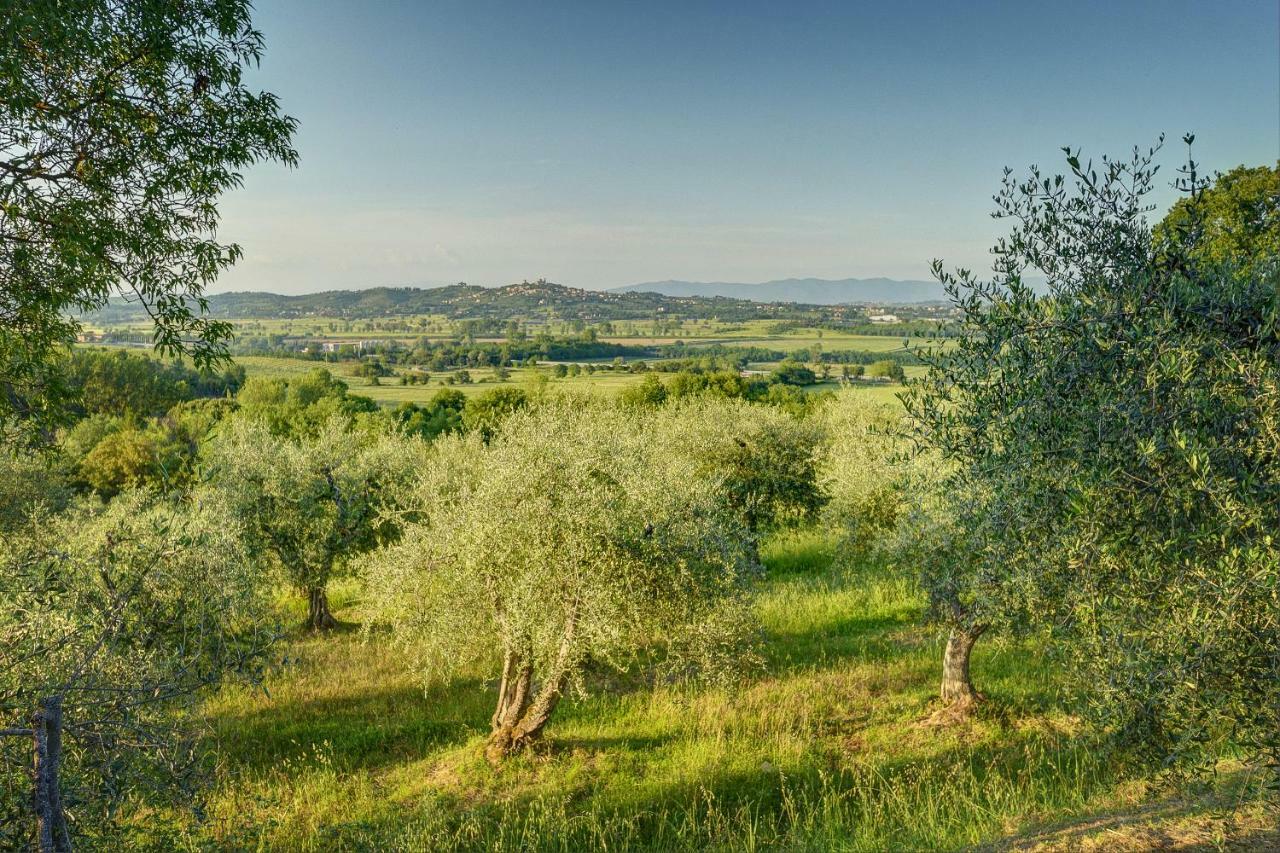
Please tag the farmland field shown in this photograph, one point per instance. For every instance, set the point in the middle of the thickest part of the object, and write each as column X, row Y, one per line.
column 388, row 392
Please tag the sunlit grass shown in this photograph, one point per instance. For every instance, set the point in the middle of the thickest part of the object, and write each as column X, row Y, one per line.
column 825, row 748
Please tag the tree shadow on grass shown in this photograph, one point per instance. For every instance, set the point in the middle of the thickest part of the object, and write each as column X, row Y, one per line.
column 372, row 729
column 908, row 804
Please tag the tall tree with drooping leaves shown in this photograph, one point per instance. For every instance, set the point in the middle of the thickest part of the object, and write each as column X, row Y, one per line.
column 311, row 504
column 122, row 122
column 570, row 536
column 1112, row 460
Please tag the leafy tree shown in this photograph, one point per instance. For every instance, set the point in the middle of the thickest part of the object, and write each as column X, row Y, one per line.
column 1237, row 220
column 572, row 536
column 647, row 392
column 793, row 373
column 1111, row 467
column 125, row 458
column 869, row 487
column 30, row 484
column 121, row 123
column 118, row 382
column 299, row 407
column 885, row 369
column 310, row 504
column 765, row 460
column 486, row 412
column 113, row 623
column 442, row 414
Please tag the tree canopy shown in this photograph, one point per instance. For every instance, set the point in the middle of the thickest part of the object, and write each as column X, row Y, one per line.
column 1112, row 471
column 310, row 504
column 121, row 616
column 571, row 536
column 121, row 123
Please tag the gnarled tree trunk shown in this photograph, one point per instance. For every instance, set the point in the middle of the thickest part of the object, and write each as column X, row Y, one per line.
column 521, row 715
column 957, row 686
column 319, row 617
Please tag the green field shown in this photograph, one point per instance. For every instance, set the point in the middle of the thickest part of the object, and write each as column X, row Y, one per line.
column 636, row 333
column 831, row 746
column 390, row 392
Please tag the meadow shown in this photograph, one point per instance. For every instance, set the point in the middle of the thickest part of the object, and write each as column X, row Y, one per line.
column 389, row 393
column 833, row 745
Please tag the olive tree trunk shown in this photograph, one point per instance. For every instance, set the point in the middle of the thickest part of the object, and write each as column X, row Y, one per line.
column 319, row 617
column 51, row 821
column 522, row 713
column 957, row 685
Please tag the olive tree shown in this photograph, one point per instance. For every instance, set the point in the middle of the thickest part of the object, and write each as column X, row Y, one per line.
column 112, row 622
column 1113, row 459
column 310, row 504
column 121, row 123
column 572, row 536
column 766, row 459
column 870, row 487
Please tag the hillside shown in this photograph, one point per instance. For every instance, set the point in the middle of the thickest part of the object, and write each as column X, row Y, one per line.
column 813, row 291
column 514, row 301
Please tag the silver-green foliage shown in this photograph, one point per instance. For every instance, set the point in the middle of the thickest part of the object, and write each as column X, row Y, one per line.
column 126, row 614
column 309, row 504
column 1113, row 460
column 575, row 535
column 766, row 459
column 870, row 484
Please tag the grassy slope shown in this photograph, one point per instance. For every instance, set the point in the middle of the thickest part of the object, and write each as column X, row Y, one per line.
column 823, row 750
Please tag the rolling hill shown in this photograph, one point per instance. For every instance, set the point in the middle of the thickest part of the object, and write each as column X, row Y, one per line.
column 523, row 300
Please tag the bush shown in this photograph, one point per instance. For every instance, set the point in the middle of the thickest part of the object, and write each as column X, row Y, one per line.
column 793, row 373
column 886, row 369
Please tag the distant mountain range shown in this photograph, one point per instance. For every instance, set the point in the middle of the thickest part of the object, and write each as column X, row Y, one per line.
column 807, row 291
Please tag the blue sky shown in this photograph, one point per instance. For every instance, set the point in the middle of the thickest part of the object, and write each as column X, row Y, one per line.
column 605, row 143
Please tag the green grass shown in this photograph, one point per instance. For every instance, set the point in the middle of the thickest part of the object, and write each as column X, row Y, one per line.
column 823, row 749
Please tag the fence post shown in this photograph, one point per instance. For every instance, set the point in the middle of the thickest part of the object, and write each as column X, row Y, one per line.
column 51, row 822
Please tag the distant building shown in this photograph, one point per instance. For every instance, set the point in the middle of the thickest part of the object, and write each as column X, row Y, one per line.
column 884, row 318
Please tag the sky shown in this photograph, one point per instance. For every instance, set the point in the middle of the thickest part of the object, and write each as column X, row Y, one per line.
column 605, row 143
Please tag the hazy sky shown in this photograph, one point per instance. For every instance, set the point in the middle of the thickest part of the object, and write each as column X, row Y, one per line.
column 605, row 143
